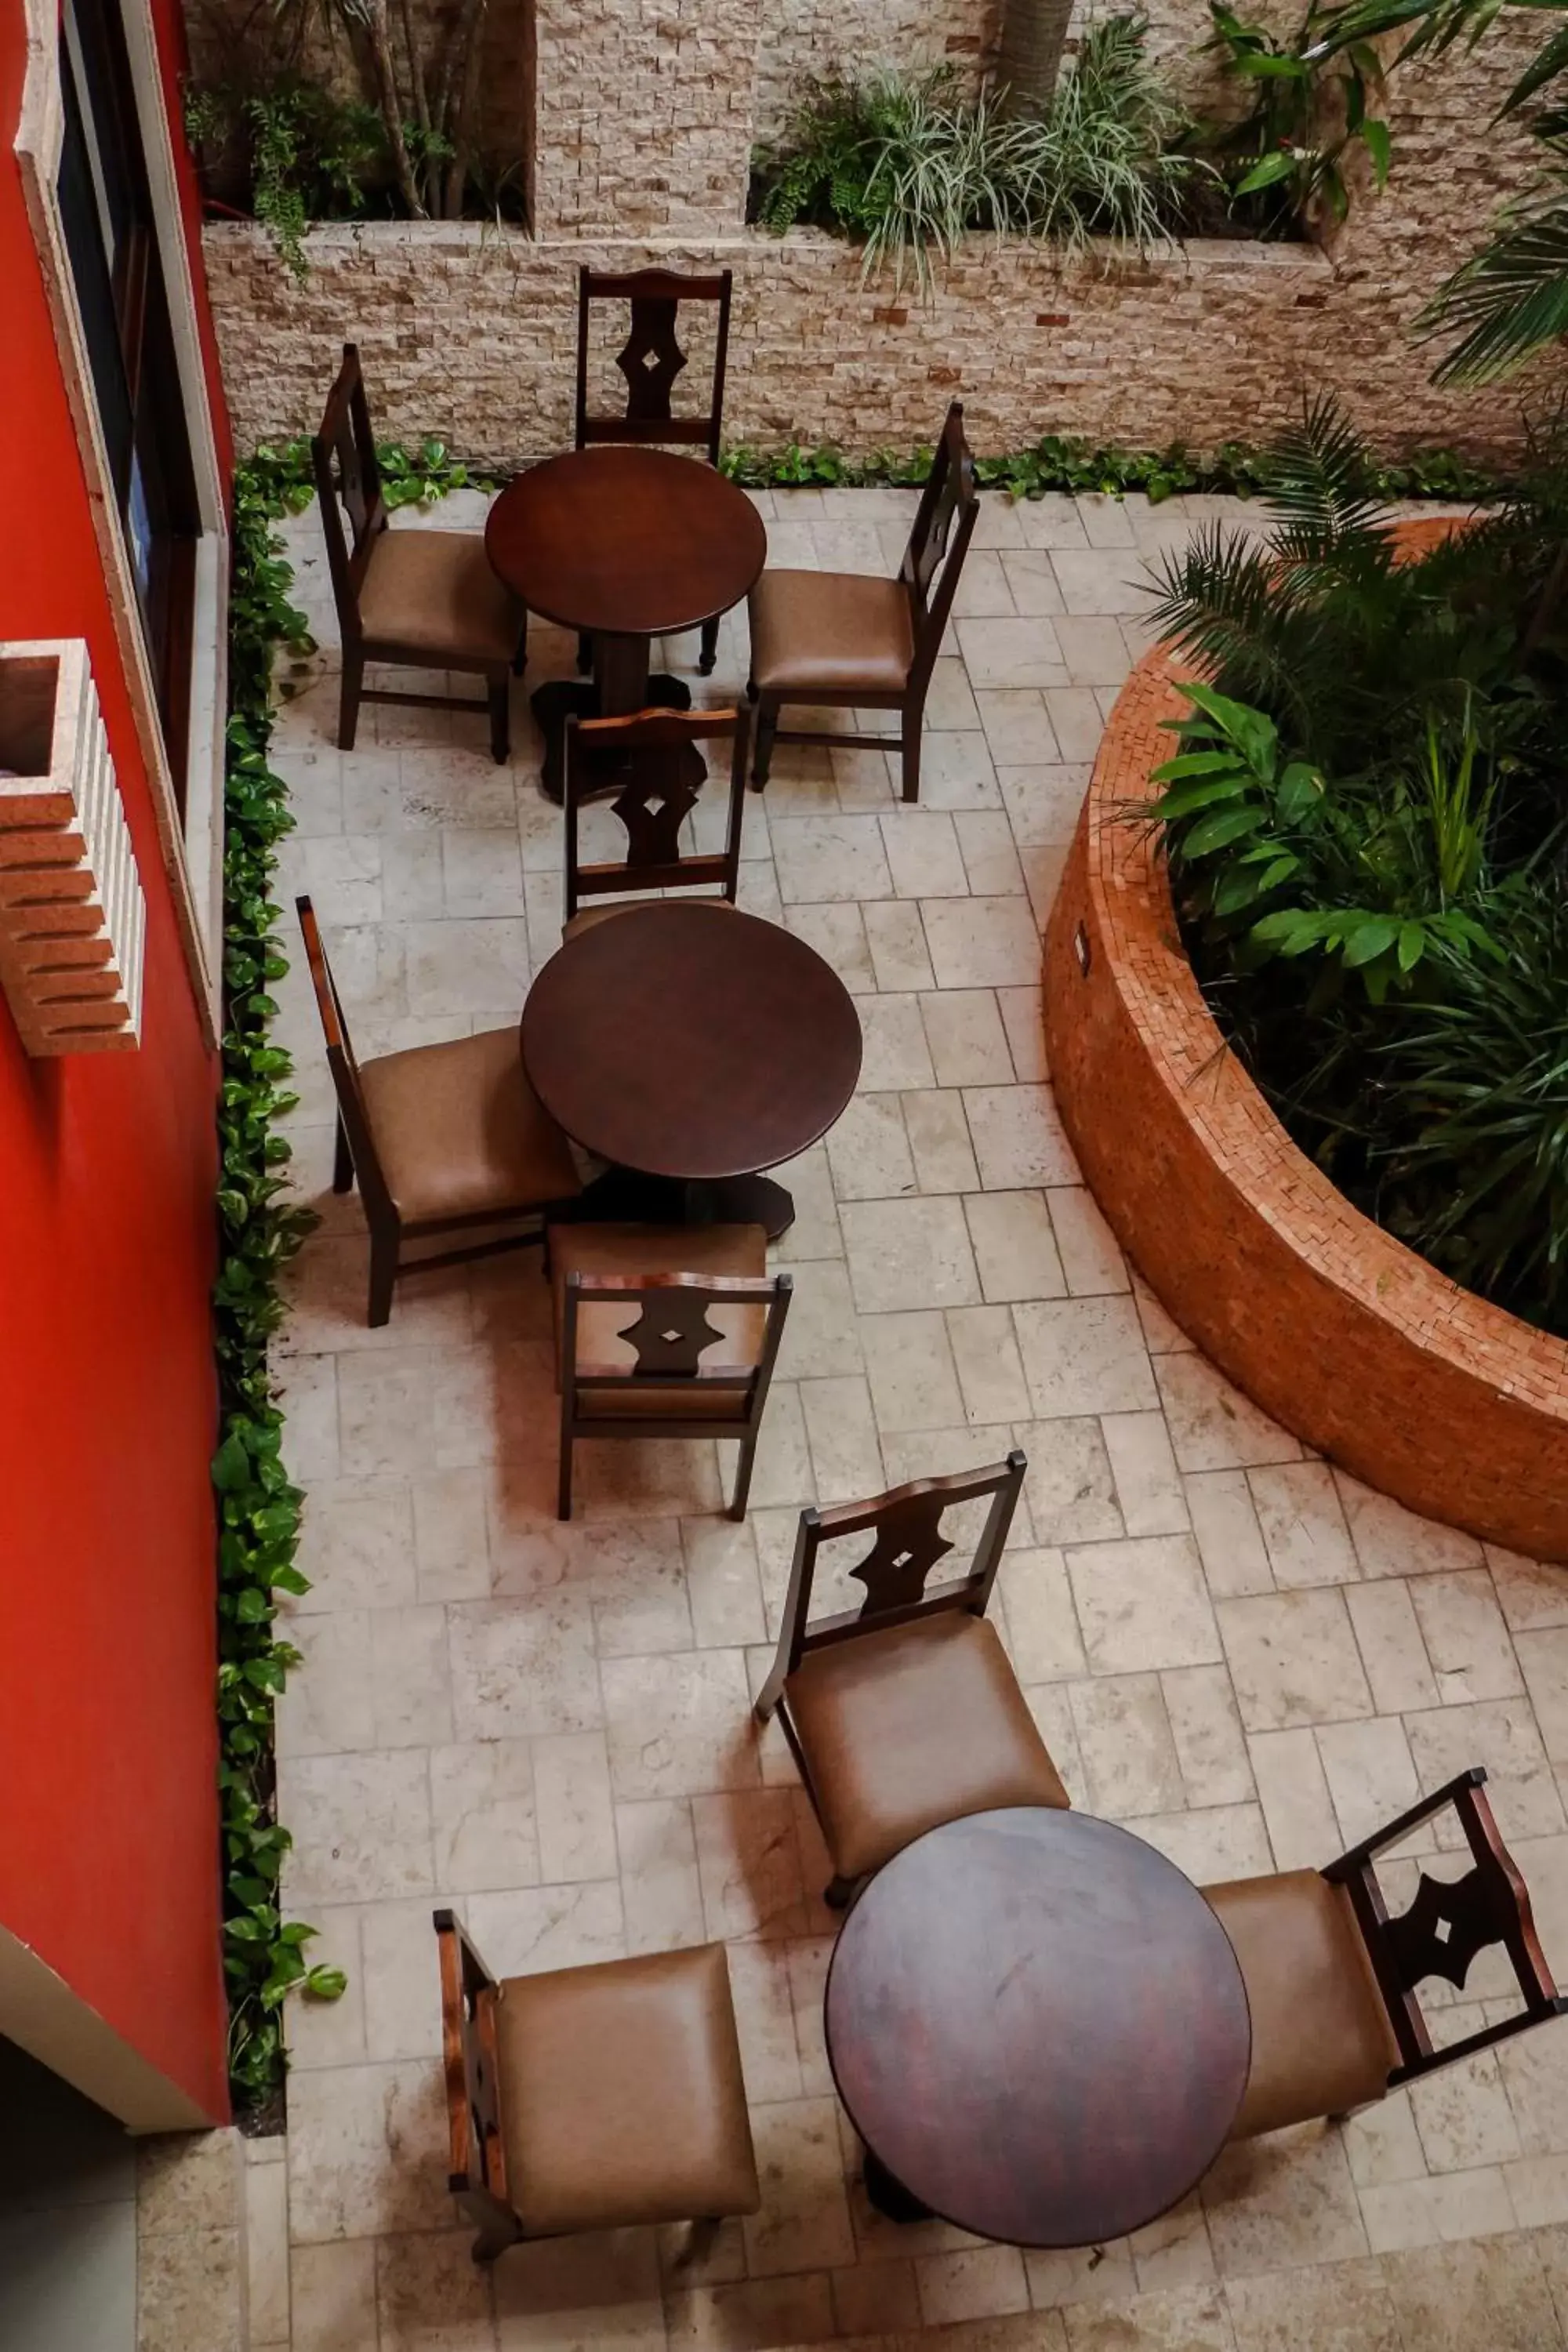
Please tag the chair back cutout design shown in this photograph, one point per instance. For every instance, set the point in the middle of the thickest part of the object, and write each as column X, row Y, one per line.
column 939, row 540
column 1446, row 1924
column 669, row 1335
column 348, row 481
column 656, row 795
column 908, row 1544
column 651, row 358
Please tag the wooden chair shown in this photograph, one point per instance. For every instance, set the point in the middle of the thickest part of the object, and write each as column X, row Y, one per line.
column 651, row 360
column 904, row 1713
column 1332, row 1976
column 846, row 642
column 443, row 1139
column 602, row 2097
column 632, row 1305
column 655, row 750
column 421, row 599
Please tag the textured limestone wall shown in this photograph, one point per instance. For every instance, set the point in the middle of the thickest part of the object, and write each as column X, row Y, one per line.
column 803, row 37
column 643, row 115
column 470, row 332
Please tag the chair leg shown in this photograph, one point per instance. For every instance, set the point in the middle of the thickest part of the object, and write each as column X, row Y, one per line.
column 343, row 1160
column 585, row 654
column 709, row 653
column 501, row 719
column 383, row 1277
column 564, row 1488
column 743, row 1474
column 913, row 729
column 767, row 728
column 348, row 704
column 519, row 659
column 490, row 2245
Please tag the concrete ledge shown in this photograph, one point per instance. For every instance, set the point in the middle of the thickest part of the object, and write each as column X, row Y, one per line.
column 1354, row 1343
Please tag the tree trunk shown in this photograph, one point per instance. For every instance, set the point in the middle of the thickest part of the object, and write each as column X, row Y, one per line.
column 1029, row 58
column 466, row 57
column 378, row 32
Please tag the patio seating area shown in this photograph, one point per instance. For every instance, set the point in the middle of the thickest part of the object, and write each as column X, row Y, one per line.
column 545, row 1724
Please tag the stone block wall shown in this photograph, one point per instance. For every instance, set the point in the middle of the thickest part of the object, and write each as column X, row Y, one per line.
column 820, row 37
column 469, row 332
column 643, row 115
column 645, row 112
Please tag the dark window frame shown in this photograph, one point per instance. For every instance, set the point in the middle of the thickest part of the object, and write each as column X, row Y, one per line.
column 117, row 271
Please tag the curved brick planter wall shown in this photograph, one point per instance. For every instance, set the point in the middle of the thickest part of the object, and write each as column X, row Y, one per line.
column 1350, row 1340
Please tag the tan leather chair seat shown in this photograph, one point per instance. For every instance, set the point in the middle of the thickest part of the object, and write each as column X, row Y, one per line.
column 433, row 592
column 621, row 2096
column 587, row 916
column 910, row 1726
column 657, row 1249
column 829, row 630
column 459, row 1132
column 1322, row 2040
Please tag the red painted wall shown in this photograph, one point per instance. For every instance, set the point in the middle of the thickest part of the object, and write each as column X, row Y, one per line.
column 108, row 1860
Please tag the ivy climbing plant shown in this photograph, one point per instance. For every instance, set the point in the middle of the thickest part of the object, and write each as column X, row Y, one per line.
column 260, row 1229
column 1060, row 462
column 258, row 1509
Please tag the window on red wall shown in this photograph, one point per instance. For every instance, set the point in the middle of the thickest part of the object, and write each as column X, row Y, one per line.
column 107, row 213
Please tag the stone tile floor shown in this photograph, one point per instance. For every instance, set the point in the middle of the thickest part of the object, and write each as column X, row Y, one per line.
column 1228, row 1645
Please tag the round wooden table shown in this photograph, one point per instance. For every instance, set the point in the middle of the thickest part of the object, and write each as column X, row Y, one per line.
column 1038, row 2028
column 696, row 1047
column 621, row 545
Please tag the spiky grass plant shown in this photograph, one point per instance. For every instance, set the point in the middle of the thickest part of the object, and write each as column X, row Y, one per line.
column 908, row 166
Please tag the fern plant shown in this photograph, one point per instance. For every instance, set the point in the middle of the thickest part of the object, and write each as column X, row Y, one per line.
column 303, row 154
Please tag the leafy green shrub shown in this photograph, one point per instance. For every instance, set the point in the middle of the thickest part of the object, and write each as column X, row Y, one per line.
column 1365, row 828
column 300, row 155
column 1061, row 462
column 908, row 166
column 1310, row 108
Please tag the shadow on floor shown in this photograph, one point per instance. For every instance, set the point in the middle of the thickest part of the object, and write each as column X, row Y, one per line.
column 68, row 2216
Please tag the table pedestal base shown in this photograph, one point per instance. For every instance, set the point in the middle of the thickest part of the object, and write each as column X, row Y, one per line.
column 625, row 1196
column 615, row 689
column 889, row 2195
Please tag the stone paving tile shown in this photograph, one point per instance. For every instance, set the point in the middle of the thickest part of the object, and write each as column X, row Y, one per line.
column 1248, row 1656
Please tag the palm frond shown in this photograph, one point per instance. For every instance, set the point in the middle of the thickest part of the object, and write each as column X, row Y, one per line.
column 1433, row 25
column 1320, row 481
column 1511, row 298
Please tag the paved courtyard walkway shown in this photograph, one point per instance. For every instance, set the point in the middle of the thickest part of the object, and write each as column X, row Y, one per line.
column 1246, row 1656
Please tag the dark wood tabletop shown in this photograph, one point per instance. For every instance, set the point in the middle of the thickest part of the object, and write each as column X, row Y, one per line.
column 691, row 1041
column 1039, row 2027
column 626, row 543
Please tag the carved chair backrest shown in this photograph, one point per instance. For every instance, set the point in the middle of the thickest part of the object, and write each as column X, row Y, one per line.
column 658, row 1335
column 342, row 1065
column 651, row 358
column 348, row 481
column 909, row 1543
column 478, row 2168
column 939, row 541
column 655, row 797
column 1446, row 1924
